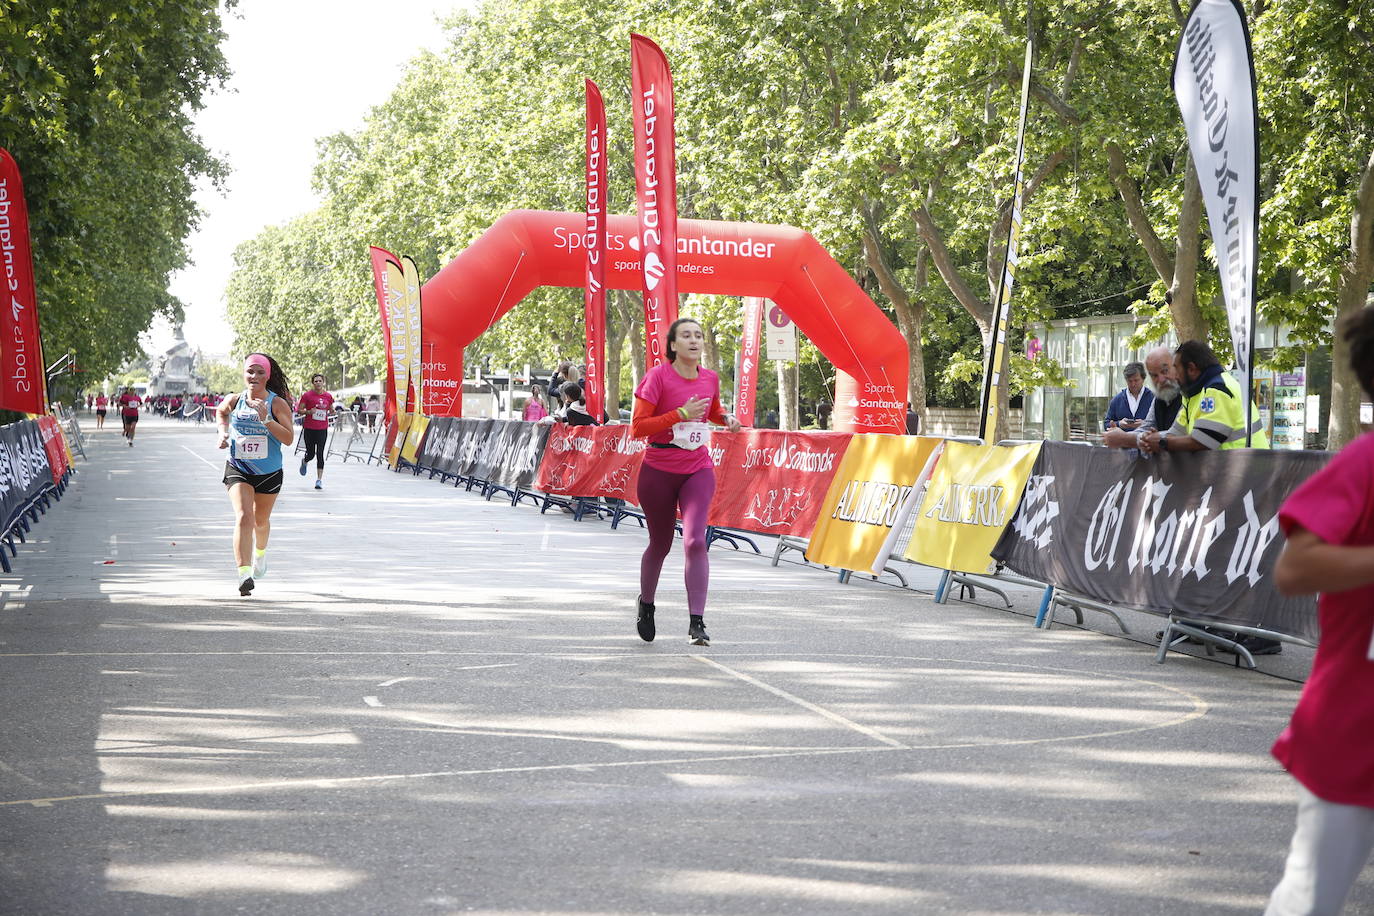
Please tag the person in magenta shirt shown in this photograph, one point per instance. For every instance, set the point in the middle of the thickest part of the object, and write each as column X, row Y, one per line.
column 129, row 403
column 534, row 407
column 1328, row 746
column 672, row 404
column 101, row 403
column 314, row 408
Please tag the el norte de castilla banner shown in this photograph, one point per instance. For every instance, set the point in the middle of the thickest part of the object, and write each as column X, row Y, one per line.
column 1194, row 534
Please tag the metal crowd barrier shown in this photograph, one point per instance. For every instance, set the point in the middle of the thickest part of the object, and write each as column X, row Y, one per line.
column 66, row 418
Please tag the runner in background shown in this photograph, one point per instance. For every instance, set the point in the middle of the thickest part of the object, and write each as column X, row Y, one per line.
column 101, row 403
column 672, row 404
column 129, row 403
column 315, row 406
column 254, row 425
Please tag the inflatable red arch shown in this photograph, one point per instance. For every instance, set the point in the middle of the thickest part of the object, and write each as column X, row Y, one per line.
column 526, row 249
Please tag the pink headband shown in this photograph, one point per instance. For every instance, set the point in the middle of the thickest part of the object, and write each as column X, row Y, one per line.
column 257, row 359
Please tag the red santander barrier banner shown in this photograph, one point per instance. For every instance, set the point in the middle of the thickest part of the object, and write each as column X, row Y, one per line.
column 591, row 461
column 772, row 481
column 767, row 480
column 55, row 445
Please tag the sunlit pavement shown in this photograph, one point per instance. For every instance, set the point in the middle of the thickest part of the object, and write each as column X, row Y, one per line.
column 436, row 704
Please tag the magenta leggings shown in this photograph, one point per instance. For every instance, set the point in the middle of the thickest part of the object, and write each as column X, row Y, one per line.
column 661, row 494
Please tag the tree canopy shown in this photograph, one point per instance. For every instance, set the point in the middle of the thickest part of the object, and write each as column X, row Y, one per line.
column 97, row 101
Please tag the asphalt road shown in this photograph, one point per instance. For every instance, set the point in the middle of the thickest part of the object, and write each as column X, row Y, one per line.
column 437, row 704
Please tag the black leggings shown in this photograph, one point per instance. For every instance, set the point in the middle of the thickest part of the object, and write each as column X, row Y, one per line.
column 315, row 440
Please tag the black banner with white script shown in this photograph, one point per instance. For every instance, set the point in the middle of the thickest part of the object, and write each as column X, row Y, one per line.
column 1193, row 534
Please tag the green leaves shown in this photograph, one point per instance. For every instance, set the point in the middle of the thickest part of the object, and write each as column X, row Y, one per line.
column 93, row 105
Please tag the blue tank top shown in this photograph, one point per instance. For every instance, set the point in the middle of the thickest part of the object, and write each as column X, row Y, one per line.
column 252, row 449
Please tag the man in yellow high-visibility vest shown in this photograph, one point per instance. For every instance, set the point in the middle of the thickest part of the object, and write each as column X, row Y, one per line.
column 1213, row 412
column 1212, row 417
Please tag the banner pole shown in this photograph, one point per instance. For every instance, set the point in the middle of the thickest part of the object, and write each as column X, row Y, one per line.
column 997, row 341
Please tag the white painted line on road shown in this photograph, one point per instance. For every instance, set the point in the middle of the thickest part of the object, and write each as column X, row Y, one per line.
column 372, row 701
column 480, row 667
column 200, row 456
column 339, row 782
column 544, row 543
column 394, row 680
column 804, row 704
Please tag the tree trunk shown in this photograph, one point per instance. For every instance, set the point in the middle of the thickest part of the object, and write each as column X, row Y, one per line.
column 632, row 321
column 788, row 414
column 911, row 314
column 1183, row 306
column 1178, row 272
column 615, row 346
column 710, row 353
column 1352, row 293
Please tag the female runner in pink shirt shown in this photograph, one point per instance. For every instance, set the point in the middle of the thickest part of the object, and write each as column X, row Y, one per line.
column 1328, row 746
column 672, row 403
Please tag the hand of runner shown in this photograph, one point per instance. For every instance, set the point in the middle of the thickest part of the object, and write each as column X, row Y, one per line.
column 731, row 423
column 696, row 408
column 223, row 440
column 259, row 406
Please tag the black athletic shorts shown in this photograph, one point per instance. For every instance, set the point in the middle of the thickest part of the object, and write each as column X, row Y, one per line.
column 128, row 419
column 100, row 411
column 261, row 483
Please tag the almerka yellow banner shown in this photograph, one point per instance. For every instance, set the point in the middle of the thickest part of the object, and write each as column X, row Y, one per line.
column 414, row 436
column 972, row 496
column 872, row 482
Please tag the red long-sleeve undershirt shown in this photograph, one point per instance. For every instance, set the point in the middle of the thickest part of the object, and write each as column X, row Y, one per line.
column 643, row 423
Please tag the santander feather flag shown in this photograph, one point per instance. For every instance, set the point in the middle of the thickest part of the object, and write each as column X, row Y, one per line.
column 23, row 385
column 651, row 86
column 746, row 388
column 594, row 294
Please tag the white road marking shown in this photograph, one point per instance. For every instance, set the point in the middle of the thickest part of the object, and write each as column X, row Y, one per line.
column 394, row 680
column 372, row 701
column 544, row 543
column 804, row 704
column 200, row 456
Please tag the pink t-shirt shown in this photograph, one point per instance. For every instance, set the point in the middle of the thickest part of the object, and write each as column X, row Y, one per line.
column 129, row 404
column 316, row 407
column 1329, row 743
column 663, row 387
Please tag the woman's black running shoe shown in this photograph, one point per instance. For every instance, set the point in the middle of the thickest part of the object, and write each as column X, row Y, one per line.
column 696, row 632
column 644, row 619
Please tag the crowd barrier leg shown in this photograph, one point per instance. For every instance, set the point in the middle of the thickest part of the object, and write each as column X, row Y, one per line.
column 732, row 538
column 1046, row 606
column 942, row 590
column 847, row 574
column 1192, row 628
column 1078, row 605
column 788, row 542
column 622, row 513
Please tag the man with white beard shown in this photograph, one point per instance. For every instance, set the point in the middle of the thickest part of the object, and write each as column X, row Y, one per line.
column 1159, row 363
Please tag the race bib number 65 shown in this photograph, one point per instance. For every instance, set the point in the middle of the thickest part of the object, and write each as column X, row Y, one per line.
column 691, row 434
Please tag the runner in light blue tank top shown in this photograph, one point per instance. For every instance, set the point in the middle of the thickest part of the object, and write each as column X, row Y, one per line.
column 254, row 425
column 252, row 449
